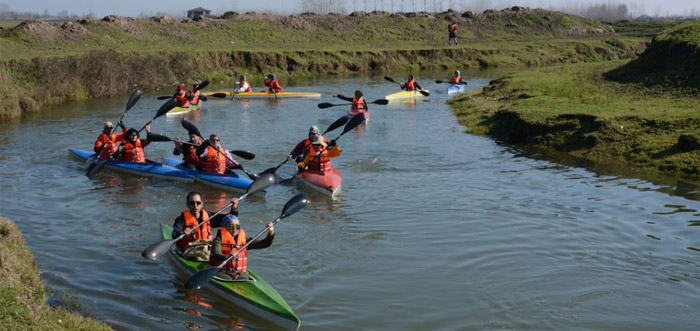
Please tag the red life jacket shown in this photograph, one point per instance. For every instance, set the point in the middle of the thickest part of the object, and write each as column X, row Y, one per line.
column 215, row 163
column 249, row 89
column 133, row 152
column 195, row 98
column 358, row 106
column 453, row 28
column 228, row 246
column 201, row 233
column 105, row 146
column 274, row 86
column 411, row 85
column 321, row 163
column 181, row 98
column 190, row 156
column 456, row 80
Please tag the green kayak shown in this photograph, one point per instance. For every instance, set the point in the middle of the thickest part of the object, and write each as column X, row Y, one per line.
column 255, row 296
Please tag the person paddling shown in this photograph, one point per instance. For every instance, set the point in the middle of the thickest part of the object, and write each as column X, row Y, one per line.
column 452, row 30
column 181, row 96
column 273, row 83
column 229, row 240
column 214, row 158
column 190, row 158
column 303, row 145
column 317, row 156
column 193, row 96
column 196, row 245
column 359, row 105
column 131, row 150
column 106, row 145
column 456, row 78
column 243, row 85
column 411, row 84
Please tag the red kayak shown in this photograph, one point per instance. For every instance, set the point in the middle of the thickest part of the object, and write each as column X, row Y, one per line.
column 367, row 115
column 326, row 182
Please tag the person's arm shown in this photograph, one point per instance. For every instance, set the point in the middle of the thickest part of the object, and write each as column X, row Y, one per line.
column 263, row 243
column 98, row 144
column 342, row 97
column 334, row 151
column 403, row 86
column 216, row 220
column 418, row 86
column 178, row 226
column 365, row 104
column 202, row 148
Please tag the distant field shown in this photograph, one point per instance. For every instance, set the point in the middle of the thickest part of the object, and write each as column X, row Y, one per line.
column 8, row 24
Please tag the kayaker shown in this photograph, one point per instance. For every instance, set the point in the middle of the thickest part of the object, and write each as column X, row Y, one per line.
column 131, row 150
column 243, row 85
column 317, row 157
column 456, row 78
column 452, row 29
column 190, row 158
column 106, row 145
column 196, row 244
column 214, row 158
column 359, row 105
column 303, row 145
column 181, row 96
column 273, row 84
column 193, row 95
column 411, row 84
column 230, row 238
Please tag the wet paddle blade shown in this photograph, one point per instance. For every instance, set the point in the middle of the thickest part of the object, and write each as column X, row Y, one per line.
column 353, row 123
column 158, row 249
column 391, row 79
column 218, row 95
column 201, row 278
column 324, row 105
column 166, row 107
column 164, row 97
column 439, row 81
column 381, row 102
column 295, row 204
column 190, row 127
column 133, row 99
column 263, row 182
column 202, row 85
column 101, row 163
column 425, row 93
column 338, row 123
column 243, row 154
column 157, row 137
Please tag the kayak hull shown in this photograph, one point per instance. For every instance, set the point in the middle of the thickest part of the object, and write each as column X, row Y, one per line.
column 405, row 95
column 148, row 169
column 256, row 297
column 268, row 95
column 454, row 89
column 230, row 182
column 328, row 183
column 177, row 111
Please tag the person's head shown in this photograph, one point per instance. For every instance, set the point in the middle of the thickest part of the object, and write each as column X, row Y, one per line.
column 231, row 223
column 132, row 134
column 193, row 137
column 108, row 127
column 242, row 78
column 410, row 77
column 313, row 132
column 271, row 76
column 194, row 202
column 214, row 139
column 358, row 94
column 319, row 141
column 457, row 73
column 180, row 87
column 194, row 86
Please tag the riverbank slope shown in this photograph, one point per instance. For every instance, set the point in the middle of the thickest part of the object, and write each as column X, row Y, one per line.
column 22, row 294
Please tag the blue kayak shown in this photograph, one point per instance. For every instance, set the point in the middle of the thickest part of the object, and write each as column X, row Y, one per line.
column 452, row 89
column 225, row 181
column 149, row 168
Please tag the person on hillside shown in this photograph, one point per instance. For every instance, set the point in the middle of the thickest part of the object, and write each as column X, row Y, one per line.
column 359, row 105
column 457, row 78
column 196, row 244
column 181, row 96
column 105, row 144
column 214, row 158
column 193, row 96
column 411, row 84
column 243, row 85
column 230, row 239
column 303, row 145
column 452, row 30
column 317, row 156
column 131, row 150
column 273, row 84
column 190, row 158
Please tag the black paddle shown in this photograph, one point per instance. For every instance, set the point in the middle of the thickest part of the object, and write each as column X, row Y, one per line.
column 449, row 82
column 161, row 247
column 352, row 123
column 202, row 277
column 196, row 88
column 91, row 162
column 219, row 95
column 425, row 93
column 325, row 105
column 166, row 107
column 159, row 137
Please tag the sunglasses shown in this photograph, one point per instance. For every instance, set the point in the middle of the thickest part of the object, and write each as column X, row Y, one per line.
column 194, row 203
column 234, row 226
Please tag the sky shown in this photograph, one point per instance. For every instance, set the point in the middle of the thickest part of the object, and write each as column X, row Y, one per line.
column 179, row 7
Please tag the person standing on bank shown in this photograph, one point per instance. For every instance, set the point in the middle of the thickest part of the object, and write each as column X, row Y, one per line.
column 452, row 29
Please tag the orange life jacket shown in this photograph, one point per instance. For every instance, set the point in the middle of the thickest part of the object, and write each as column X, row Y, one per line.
column 240, row 86
column 319, row 163
column 456, row 80
column 133, row 152
column 411, row 85
column 201, row 233
column 181, row 98
column 105, row 146
column 195, row 98
column 215, row 163
column 358, row 106
column 274, row 86
column 190, row 156
column 453, row 28
column 228, row 246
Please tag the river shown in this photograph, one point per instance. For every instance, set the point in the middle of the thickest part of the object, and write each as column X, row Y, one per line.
column 434, row 228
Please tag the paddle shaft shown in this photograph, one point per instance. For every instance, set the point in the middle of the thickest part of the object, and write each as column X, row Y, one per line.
column 248, row 242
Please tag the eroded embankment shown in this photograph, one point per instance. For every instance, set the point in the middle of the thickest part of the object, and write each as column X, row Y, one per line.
column 22, row 295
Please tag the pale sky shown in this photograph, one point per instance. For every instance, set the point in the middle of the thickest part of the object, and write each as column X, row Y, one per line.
column 178, row 7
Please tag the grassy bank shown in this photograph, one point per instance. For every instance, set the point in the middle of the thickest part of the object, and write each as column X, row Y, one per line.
column 573, row 109
column 22, row 295
column 50, row 63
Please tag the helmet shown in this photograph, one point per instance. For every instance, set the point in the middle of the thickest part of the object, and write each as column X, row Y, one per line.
column 109, row 125
column 180, row 86
column 314, row 130
column 458, row 73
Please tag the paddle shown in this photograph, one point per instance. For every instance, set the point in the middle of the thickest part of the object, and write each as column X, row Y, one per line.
column 161, row 247
column 352, row 123
column 196, row 88
column 219, row 95
column 159, row 137
column 135, row 96
column 202, row 277
column 425, row 93
column 166, row 107
column 449, row 82
column 325, row 105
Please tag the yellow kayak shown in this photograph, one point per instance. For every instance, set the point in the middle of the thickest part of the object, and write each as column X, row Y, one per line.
column 405, row 95
column 267, row 95
column 182, row 110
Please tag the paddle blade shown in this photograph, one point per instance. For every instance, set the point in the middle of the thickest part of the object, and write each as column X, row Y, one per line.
column 353, row 123
column 201, row 278
column 338, row 123
column 381, row 102
column 166, row 107
column 190, row 127
column 390, row 79
column 157, row 137
column 96, row 167
column 218, row 95
column 325, row 105
column 201, row 85
column 243, row 154
column 295, row 204
column 439, row 81
column 133, row 99
column 263, row 182
column 156, row 250
column 425, row 93
column 164, row 97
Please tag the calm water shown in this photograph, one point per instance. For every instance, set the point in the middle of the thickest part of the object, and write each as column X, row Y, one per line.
column 434, row 229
